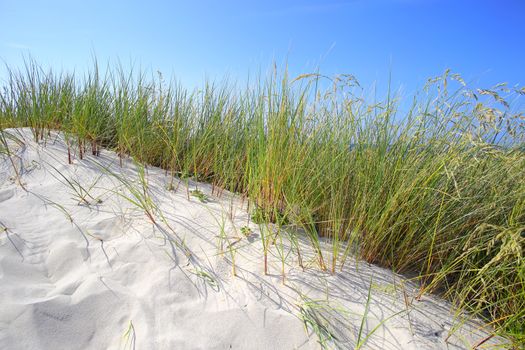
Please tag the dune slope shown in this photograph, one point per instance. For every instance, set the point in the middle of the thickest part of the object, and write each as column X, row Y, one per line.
column 93, row 257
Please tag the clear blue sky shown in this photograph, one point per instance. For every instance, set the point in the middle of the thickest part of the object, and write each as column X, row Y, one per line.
column 414, row 39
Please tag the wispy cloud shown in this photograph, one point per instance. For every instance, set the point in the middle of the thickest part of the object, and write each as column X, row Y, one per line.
column 18, row 46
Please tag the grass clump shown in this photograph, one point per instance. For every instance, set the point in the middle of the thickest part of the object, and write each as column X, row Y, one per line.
column 435, row 186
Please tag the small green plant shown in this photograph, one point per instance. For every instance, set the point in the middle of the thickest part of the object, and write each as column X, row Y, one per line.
column 199, row 195
column 246, row 231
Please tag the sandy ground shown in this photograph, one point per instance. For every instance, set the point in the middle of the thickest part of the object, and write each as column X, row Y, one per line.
column 98, row 274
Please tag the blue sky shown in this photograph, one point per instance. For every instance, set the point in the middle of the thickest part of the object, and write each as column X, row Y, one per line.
column 412, row 39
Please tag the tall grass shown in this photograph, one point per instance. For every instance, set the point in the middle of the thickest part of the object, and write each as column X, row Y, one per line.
column 437, row 189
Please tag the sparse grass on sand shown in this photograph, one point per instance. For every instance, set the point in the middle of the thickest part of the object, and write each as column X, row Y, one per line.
column 438, row 189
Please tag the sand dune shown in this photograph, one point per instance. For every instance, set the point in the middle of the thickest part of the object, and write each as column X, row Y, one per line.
column 96, row 273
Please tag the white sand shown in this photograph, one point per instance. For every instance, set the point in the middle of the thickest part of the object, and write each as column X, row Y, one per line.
column 110, row 279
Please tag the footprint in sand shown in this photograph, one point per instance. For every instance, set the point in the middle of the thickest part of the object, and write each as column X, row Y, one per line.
column 109, row 229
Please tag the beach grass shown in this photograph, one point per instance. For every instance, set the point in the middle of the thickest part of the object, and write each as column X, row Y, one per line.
column 434, row 186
